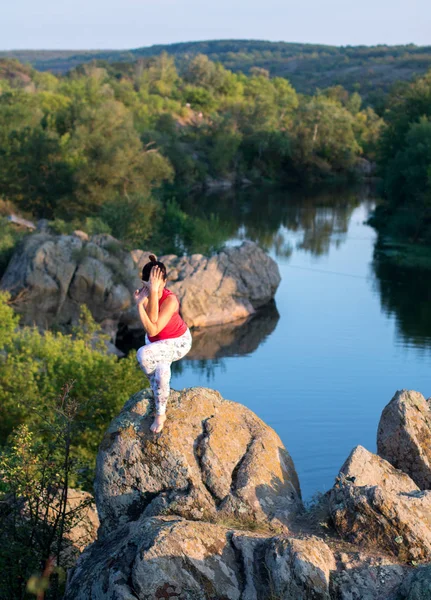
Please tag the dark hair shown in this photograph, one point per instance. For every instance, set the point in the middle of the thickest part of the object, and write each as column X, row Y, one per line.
column 153, row 263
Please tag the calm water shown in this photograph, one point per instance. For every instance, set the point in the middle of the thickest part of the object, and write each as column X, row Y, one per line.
column 346, row 333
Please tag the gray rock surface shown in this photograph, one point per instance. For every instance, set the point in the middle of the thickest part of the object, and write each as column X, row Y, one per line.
column 49, row 277
column 299, row 568
column 374, row 504
column 85, row 523
column 228, row 286
column 168, row 557
column 361, row 576
column 417, row 586
column 215, row 460
column 404, row 436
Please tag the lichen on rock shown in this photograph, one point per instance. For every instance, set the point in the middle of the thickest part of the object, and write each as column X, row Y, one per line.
column 215, row 460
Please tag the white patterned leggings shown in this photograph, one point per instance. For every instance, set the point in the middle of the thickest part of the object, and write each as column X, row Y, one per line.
column 155, row 360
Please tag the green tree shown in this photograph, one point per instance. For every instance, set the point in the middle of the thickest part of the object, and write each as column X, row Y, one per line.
column 33, row 172
column 108, row 157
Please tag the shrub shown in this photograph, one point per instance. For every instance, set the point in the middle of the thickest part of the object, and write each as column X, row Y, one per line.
column 35, row 517
column 34, row 366
column 9, row 238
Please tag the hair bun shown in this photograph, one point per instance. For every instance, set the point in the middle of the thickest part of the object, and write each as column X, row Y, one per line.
column 153, row 258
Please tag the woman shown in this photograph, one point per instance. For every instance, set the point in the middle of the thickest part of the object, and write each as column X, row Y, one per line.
column 168, row 337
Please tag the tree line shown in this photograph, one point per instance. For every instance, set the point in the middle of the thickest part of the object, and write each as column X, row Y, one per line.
column 117, row 143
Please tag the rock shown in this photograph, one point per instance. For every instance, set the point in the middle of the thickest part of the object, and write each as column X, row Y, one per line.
column 229, row 286
column 299, row 568
column 361, row 576
column 373, row 503
column 417, row 586
column 167, row 557
column 84, row 237
column 85, row 525
column 49, row 277
column 215, row 460
column 39, row 275
column 404, row 436
column 81, row 523
column 21, row 222
column 159, row 558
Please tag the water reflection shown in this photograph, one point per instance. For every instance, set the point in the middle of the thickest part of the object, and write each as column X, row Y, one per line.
column 406, row 293
column 270, row 216
column 234, row 339
column 213, row 343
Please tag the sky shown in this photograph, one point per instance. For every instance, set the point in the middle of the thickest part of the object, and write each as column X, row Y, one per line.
column 125, row 24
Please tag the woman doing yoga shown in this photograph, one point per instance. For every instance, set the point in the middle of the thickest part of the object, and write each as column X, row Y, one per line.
column 167, row 336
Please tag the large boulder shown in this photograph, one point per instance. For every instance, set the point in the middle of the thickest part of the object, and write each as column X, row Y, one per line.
column 168, row 557
column 215, row 460
column 228, row 286
column 50, row 276
column 373, row 503
column 404, row 436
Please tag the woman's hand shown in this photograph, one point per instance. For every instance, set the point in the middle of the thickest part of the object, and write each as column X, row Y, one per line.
column 140, row 295
column 156, row 278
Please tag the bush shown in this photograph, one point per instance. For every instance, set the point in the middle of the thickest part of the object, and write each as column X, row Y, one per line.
column 34, row 366
column 35, row 516
column 9, row 238
column 91, row 225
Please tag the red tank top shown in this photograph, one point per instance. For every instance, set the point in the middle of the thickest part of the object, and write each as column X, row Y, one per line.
column 175, row 327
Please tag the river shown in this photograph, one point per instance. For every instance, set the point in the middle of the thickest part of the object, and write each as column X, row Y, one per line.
column 345, row 334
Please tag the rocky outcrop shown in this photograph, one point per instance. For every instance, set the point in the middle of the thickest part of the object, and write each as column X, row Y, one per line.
column 404, row 436
column 228, row 286
column 373, row 503
column 50, row 276
column 198, row 512
column 215, row 461
column 210, row 509
column 169, row 557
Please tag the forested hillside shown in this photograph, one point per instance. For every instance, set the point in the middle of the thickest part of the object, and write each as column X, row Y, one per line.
column 371, row 70
column 115, row 147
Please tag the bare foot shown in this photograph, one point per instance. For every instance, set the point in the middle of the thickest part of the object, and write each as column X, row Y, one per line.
column 158, row 423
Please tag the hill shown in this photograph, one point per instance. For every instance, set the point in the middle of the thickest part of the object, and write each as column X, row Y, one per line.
column 371, row 70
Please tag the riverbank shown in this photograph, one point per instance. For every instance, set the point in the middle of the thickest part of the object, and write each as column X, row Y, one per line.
column 403, row 254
